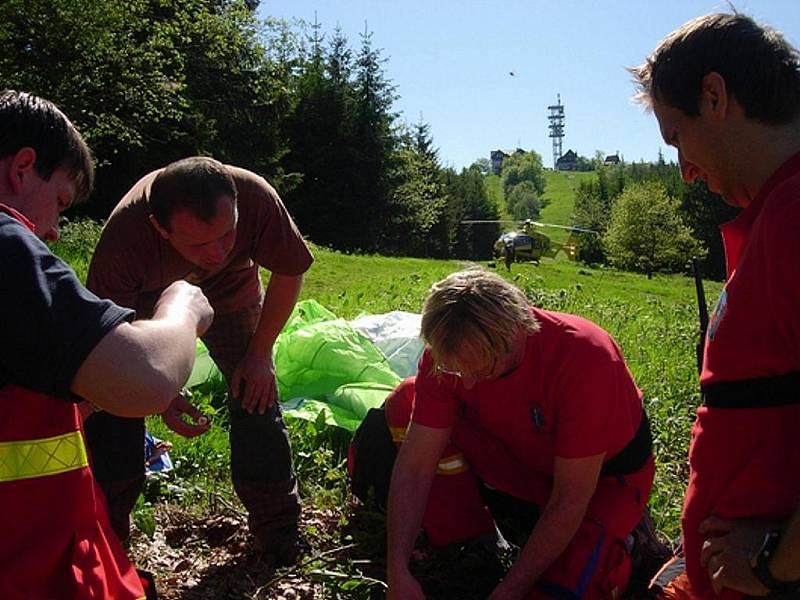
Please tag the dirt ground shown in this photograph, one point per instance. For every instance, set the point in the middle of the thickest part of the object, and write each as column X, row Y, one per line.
column 202, row 559
column 193, row 558
column 196, row 558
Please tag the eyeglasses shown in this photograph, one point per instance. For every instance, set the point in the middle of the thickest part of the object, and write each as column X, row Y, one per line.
column 474, row 376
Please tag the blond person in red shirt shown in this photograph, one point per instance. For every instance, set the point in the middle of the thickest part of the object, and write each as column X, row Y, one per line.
column 537, row 404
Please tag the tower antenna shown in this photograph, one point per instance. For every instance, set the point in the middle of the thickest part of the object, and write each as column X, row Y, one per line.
column 556, row 118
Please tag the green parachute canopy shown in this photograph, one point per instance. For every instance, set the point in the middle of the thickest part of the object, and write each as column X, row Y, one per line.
column 326, row 370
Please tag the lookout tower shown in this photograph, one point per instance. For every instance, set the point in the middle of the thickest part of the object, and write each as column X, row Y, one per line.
column 556, row 118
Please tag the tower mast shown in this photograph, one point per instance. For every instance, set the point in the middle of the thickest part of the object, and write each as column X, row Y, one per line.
column 556, row 118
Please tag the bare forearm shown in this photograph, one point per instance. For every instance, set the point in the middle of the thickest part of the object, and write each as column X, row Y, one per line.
column 574, row 483
column 407, row 501
column 279, row 300
column 553, row 532
column 138, row 368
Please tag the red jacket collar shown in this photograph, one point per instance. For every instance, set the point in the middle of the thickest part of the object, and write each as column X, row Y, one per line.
column 734, row 233
column 12, row 212
column 752, row 210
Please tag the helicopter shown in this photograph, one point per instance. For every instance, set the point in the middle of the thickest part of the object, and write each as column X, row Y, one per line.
column 529, row 244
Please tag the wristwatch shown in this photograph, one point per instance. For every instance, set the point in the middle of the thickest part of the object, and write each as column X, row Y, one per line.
column 760, row 564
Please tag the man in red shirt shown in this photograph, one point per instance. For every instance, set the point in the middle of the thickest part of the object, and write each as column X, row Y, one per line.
column 537, row 404
column 726, row 93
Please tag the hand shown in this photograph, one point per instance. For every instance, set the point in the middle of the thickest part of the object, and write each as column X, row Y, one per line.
column 160, row 448
column 173, row 418
column 728, row 550
column 255, row 374
column 403, row 586
column 181, row 298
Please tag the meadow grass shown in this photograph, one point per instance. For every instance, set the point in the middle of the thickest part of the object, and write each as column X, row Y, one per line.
column 494, row 189
column 653, row 320
column 559, row 196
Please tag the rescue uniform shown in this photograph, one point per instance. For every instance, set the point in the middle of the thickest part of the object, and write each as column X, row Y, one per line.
column 744, row 452
column 132, row 265
column 56, row 540
column 572, row 396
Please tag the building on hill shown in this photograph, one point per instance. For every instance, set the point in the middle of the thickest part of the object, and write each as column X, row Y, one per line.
column 612, row 159
column 498, row 156
column 567, row 162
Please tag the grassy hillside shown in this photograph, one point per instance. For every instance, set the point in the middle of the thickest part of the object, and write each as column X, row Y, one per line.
column 654, row 322
column 559, row 194
column 560, row 191
column 494, row 189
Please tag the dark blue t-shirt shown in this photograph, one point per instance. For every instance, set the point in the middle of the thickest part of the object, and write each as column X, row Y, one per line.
column 49, row 323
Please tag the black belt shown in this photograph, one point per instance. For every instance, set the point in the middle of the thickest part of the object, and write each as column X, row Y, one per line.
column 633, row 456
column 759, row 392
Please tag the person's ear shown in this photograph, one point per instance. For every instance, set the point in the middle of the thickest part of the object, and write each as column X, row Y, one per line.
column 714, row 95
column 21, row 166
column 163, row 232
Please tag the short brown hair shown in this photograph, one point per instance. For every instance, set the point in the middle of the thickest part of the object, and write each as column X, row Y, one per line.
column 194, row 184
column 761, row 69
column 27, row 121
column 475, row 305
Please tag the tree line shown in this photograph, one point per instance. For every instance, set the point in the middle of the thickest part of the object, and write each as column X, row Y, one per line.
column 649, row 220
column 151, row 81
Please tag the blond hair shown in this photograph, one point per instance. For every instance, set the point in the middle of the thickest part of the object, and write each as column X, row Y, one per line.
column 475, row 306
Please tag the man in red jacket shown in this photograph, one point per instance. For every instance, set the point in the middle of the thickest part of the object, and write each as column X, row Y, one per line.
column 726, row 93
column 62, row 344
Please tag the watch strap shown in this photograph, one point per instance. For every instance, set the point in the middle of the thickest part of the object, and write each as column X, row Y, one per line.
column 761, row 570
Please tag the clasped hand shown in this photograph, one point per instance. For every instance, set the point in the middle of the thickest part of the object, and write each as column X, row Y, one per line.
column 253, row 383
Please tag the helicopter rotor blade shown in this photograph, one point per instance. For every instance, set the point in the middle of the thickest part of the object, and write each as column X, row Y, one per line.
column 477, row 221
column 527, row 223
column 568, row 227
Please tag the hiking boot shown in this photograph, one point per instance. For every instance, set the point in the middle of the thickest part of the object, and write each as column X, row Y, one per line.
column 280, row 548
column 648, row 555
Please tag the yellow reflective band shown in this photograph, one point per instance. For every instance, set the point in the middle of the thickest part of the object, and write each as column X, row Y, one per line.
column 398, row 434
column 27, row 459
column 452, row 465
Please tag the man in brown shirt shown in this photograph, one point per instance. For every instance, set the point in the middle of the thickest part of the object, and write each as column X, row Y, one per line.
column 213, row 225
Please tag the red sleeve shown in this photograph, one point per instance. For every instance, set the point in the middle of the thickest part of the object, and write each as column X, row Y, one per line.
column 436, row 402
column 598, row 411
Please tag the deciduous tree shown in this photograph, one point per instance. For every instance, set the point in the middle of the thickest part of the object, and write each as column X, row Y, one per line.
column 647, row 233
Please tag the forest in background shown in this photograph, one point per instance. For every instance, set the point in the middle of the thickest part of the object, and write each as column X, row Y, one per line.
column 151, row 81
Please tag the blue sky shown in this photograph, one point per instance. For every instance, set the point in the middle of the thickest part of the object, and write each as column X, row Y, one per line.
column 450, row 61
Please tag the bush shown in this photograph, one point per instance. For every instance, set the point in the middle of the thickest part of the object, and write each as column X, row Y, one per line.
column 647, row 233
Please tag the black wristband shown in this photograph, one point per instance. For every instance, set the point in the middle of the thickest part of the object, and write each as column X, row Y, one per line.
column 762, row 560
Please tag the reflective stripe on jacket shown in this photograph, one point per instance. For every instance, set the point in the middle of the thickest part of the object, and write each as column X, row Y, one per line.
column 56, row 540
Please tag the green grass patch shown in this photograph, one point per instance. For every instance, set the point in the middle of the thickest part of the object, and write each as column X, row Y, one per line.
column 560, row 195
column 494, row 189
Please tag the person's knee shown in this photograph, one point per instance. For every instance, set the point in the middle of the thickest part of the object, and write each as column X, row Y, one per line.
column 398, row 405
